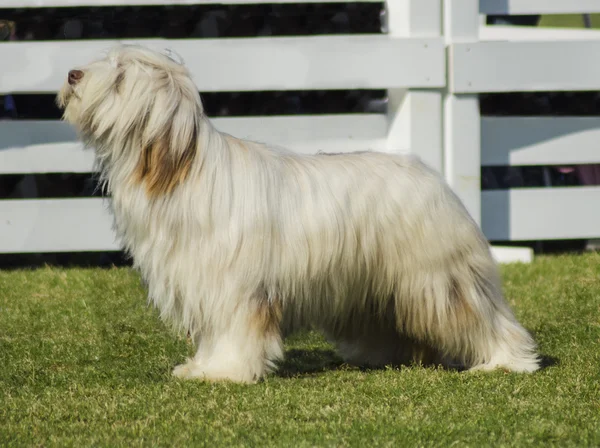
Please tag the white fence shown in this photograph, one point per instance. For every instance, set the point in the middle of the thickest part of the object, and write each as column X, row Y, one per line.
column 434, row 60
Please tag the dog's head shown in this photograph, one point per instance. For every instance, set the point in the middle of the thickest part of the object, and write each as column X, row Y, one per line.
column 137, row 108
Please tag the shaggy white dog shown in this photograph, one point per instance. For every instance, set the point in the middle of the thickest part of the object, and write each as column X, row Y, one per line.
column 241, row 243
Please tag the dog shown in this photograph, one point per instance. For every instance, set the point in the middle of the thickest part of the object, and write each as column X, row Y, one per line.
column 241, row 243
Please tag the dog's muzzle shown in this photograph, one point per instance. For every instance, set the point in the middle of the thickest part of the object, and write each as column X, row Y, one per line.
column 74, row 77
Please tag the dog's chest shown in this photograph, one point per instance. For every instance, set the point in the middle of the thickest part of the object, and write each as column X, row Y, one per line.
column 144, row 228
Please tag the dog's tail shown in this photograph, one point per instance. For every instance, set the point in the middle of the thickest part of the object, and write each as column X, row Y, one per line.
column 511, row 347
column 487, row 334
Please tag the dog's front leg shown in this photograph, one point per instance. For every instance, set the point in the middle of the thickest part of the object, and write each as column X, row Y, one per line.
column 240, row 345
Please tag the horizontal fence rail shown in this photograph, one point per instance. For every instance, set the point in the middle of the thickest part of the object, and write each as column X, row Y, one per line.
column 541, row 213
column 55, row 225
column 539, row 140
column 518, row 7
column 524, row 66
column 277, row 63
column 42, row 146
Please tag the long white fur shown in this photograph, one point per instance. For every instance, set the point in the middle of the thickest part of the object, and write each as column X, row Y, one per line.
column 373, row 249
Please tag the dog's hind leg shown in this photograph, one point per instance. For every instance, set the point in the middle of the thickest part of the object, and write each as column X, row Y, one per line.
column 375, row 342
column 461, row 312
column 377, row 350
column 242, row 344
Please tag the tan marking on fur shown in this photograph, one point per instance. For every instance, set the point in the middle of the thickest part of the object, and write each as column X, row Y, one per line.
column 266, row 321
column 236, row 142
column 459, row 303
column 160, row 170
column 118, row 81
column 267, row 318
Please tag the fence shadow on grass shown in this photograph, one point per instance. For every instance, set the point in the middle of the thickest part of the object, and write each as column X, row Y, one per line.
column 104, row 260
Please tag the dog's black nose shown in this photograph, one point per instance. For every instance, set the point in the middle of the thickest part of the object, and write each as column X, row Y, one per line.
column 75, row 76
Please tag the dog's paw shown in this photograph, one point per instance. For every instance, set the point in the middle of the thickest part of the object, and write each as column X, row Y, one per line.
column 193, row 370
column 183, row 370
column 519, row 365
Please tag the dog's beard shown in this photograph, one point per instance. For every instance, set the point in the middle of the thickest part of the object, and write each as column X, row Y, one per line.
column 68, row 100
column 65, row 95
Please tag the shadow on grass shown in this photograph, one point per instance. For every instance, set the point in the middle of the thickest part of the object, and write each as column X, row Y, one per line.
column 545, row 359
column 301, row 362
column 548, row 361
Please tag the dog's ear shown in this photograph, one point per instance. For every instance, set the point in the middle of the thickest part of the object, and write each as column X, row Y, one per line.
column 162, row 167
column 169, row 129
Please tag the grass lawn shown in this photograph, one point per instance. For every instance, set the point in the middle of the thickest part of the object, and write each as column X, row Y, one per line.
column 84, row 361
column 568, row 20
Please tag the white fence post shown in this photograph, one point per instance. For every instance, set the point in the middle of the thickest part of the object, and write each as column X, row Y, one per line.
column 462, row 129
column 415, row 115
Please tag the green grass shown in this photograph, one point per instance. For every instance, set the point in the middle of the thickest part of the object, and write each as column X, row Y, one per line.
column 568, row 20
column 84, row 361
